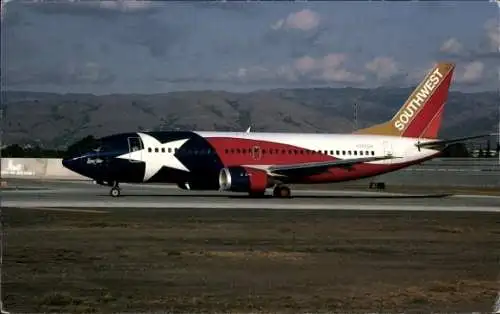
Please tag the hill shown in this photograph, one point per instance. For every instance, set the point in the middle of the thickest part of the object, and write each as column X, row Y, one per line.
column 57, row 120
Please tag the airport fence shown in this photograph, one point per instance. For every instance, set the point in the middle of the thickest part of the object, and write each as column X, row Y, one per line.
column 467, row 172
column 446, row 172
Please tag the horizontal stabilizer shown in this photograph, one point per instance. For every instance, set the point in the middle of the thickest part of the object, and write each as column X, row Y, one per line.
column 439, row 144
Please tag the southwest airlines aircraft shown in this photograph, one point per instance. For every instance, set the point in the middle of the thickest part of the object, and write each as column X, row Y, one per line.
column 252, row 162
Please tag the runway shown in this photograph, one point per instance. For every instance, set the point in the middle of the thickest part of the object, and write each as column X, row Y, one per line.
column 38, row 194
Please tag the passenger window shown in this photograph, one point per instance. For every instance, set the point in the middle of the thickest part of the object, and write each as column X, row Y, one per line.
column 349, row 152
column 337, row 152
column 149, row 150
column 238, row 150
column 373, row 153
column 361, row 153
column 355, row 152
column 343, row 152
column 163, row 149
column 156, row 149
column 243, row 150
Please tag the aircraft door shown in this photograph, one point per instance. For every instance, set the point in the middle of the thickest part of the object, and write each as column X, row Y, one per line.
column 387, row 147
column 134, row 144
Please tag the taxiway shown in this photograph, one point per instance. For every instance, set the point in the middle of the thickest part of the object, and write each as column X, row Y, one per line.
column 52, row 194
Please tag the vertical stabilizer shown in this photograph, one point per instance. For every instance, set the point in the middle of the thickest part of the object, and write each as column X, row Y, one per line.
column 421, row 114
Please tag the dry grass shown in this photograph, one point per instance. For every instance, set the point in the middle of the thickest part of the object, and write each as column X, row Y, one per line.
column 249, row 260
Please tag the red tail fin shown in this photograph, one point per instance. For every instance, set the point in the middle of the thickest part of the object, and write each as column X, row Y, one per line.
column 421, row 114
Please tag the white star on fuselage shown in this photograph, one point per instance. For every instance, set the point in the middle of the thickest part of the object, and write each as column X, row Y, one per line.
column 156, row 160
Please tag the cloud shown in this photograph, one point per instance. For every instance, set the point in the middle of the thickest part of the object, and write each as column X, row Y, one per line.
column 260, row 74
column 452, row 46
column 305, row 70
column 383, row 68
column 125, row 5
column 88, row 73
column 331, row 70
column 418, row 73
column 492, row 28
column 305, row 64
column 333, row 75
column 303, row 20
column 103, row 9
column 158, row 37
column 472, row 73
column 328, row 69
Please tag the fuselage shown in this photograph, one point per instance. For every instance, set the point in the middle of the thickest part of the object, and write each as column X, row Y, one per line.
column 196, row 158
column 252, row 162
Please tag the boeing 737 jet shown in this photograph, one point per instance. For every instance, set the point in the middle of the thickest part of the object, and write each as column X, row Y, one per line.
column 252, row 162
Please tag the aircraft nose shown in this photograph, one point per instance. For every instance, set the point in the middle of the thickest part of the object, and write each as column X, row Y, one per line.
column 70, row 163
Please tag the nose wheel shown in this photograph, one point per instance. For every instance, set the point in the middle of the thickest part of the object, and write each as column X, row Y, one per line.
column 115, row 190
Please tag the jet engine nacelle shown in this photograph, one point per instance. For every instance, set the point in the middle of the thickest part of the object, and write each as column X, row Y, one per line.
column 243, row 179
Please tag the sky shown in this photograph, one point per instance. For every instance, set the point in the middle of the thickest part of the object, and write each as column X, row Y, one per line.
column 156, row 47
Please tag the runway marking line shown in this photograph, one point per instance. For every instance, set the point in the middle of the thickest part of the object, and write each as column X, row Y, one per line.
column 70, row 210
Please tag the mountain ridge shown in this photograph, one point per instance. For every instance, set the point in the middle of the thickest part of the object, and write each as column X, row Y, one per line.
column 55, row 120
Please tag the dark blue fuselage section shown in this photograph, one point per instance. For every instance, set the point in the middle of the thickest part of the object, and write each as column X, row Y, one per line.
column 101, row 163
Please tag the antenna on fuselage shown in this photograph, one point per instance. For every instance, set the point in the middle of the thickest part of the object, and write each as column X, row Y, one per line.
column 248, row 130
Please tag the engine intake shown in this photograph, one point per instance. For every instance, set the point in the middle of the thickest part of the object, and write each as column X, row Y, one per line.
column 243, row 179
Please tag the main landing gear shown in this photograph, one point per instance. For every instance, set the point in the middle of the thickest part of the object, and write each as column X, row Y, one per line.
column 282, row 191
column 279, row 191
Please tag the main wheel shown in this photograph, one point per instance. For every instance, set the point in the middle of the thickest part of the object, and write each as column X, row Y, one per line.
column 282, row 191
column 115, row 192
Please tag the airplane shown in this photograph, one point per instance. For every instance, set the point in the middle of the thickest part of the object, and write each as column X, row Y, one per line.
column 252, row 162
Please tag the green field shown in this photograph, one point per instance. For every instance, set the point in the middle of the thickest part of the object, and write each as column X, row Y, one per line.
column 129, row 260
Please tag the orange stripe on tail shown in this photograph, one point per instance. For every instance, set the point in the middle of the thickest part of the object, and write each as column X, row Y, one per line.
column 421, row 114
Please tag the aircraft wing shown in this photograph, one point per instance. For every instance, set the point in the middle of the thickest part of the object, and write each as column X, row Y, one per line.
column 440, row 144
column 312, row 168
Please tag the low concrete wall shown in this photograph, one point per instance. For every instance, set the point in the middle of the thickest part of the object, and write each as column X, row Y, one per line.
column 437, row 172
column 37, row 168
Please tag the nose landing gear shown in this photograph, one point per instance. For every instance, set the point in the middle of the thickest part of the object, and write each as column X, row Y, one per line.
column 115, row 190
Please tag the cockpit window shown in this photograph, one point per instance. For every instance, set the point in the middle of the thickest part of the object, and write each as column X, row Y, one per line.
column 83, row 146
